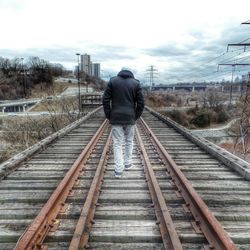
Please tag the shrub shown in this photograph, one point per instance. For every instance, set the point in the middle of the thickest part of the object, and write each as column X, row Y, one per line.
column 201, row 120
column 179, row 116
column 162, row 99
column 213, row 116
column 193, row 111
column 223, row 116
column 4, row 155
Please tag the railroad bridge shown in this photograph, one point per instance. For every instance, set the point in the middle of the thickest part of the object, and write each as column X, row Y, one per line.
column 183, row 192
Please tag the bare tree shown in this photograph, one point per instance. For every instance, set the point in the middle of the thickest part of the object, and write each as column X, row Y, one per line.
column 212, row 98
column 20, row 76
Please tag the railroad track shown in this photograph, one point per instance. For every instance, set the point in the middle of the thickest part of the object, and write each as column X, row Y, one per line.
column 150, row 207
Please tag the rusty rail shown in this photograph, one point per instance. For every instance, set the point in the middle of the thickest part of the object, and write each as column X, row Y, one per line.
column 81, row 234
column 169, row 234
column 12, row 163
column 45, row 220
column 211, row 228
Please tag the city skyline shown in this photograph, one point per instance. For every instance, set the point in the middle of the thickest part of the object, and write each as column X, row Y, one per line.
column 184, row 40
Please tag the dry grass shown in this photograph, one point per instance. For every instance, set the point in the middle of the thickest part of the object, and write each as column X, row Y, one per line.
column 163, row 99
column 238, row 150
column 9, row 151
column 57, row 105
column 19, row 134
column 22, row 132
column 42, row 91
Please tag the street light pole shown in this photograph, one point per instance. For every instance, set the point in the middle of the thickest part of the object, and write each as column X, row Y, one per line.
column 24, row 87
column 78, row 78
column 87, row 86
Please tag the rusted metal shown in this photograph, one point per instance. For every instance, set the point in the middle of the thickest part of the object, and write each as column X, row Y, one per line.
column 196, row 227
column 81, row 234
column 63, row 209
column 208, row 248
column 41, row 225
column 169, row 235
column 54, row 226
column 211, row 228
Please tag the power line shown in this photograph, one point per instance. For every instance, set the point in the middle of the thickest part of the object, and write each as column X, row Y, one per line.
column 246, row 22
column 232, row 57
column 227, row 61
column 241, row 43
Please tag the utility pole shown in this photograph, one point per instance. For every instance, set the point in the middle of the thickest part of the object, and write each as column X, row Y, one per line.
column 244, row 120
column 23, row 78
column 246, row 22
column 244, row 127
column 240, row 44
column 78, row 78
column 233, row 70
column 151, row 71
column 87, row 86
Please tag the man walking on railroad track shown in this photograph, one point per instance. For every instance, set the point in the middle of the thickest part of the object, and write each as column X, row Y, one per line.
column 123, row 104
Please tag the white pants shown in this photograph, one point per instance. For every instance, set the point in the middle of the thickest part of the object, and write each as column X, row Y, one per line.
column 122, row 136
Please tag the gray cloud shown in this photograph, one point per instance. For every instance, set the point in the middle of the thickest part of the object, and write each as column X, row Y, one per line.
column 67, row 54
column 60, row 54
column 110, row 53
column 235, row 35
column 197, row 61
column 13, row 4
column 167, row 51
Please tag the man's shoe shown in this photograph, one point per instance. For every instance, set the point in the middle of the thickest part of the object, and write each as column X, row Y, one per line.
column 127, row 167
column 118, row 175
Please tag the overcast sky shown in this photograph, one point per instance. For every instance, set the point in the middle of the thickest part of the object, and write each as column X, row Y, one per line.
column 184, row 39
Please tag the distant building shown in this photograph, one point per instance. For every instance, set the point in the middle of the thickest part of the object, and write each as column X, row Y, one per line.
column 92, row 69
column 96, row 69
column 246, row 78
column 85, row 64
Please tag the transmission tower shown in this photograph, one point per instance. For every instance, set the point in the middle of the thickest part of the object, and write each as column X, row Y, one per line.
column 151, row 71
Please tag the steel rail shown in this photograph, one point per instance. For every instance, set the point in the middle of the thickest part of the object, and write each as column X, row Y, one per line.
column 210, row 226
column 34, row 235
column 83, row 227
column 8, row 166
column 169, row 234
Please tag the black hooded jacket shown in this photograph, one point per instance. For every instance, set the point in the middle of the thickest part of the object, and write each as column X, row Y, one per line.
column 123, row 101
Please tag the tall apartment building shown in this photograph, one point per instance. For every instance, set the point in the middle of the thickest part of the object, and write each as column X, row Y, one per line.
column 96, row 70
column 85, row 64
column 92, row 69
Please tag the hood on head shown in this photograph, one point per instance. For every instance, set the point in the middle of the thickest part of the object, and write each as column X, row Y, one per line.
column 126, row 74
